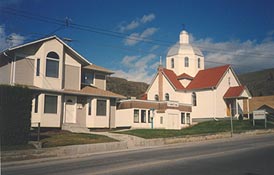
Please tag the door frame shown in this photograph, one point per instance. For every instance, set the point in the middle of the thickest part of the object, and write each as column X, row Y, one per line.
column 74, row 100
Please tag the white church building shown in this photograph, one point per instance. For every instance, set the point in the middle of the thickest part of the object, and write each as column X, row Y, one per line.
column 184, row 92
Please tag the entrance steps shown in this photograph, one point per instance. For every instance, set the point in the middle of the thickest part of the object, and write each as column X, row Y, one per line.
column 74, row 127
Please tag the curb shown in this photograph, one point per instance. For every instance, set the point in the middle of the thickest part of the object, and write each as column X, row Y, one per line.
column 10, row 158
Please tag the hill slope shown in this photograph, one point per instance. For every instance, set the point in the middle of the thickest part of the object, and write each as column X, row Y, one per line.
column 125, row 87
column 260, row 83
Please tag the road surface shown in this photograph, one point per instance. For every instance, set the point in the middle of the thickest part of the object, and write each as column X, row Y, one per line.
column 250, row 155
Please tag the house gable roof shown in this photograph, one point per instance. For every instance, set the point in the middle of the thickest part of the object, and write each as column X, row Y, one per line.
column 184, row 76
column 208, row 78
column 173, row 79
column 87, row 64
column 50, row 38
column 234, row 92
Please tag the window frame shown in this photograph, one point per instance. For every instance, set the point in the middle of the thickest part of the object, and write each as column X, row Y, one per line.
column 36, row 103
column 172, row 63
column 46, row 108
column 194, row 99
column 143, row 116
column 156, row 97
column 167, row 96
column 186, row 62
column 136, row 115
column 187, row 118
column 100, row 113
column 148, row 116
column 199, row 63
column 38, row 63
column 183, row 118
column 52, row 60
column 89, row 106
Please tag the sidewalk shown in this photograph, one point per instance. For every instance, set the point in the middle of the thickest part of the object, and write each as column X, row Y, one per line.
column 125, row 142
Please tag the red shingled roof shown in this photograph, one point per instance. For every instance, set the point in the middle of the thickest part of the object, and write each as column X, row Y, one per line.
column 172, row 77
column 234, row 92
column 184, row 76
column 208, row 78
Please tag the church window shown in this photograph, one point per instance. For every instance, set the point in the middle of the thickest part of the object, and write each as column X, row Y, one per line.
column 186, row 62
column 194, row 99
column 156, row 97
column 172, row 62
column 199, row 63
column 167, row 97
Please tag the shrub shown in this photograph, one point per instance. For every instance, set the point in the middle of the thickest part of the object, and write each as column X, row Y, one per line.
column 15, row 114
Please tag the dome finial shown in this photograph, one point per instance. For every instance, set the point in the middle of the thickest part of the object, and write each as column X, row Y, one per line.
column 184, row 38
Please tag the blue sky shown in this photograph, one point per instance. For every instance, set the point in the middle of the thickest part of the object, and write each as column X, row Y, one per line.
column 227, row 31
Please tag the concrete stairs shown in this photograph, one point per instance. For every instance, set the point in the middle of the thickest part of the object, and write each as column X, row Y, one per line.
column 74, row 127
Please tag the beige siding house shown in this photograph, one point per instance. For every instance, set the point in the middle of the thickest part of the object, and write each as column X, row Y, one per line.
column 69, row 90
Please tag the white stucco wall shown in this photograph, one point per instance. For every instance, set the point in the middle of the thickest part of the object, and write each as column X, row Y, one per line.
column 94, row 121
column 45, row 119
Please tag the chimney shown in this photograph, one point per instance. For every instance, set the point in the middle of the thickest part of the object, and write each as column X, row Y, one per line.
column 160, row 82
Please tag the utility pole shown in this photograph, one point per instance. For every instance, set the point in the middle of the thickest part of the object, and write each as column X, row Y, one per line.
column 231, row 123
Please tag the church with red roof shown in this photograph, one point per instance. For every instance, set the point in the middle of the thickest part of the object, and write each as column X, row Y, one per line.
column 183, row 92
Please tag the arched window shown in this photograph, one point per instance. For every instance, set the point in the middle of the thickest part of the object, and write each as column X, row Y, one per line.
column 52, row 65
column 186, row 62
column 156, row 97
column 194, row 99
column 167, row 97
column 199, row 63
column 172, row 62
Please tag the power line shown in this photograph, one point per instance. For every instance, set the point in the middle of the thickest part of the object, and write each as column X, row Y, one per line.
column 109, row 33
column 123, row 35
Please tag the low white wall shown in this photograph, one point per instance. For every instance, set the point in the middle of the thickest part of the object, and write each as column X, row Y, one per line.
column 124, row 118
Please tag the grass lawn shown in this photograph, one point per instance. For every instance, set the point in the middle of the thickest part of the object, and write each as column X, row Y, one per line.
column 60, row 138
column 64, row 138
column 203, row 128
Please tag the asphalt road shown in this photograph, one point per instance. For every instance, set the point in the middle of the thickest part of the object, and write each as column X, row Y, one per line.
column 253, row 155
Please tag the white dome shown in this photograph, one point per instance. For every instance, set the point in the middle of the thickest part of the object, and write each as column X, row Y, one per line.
column 184, row 49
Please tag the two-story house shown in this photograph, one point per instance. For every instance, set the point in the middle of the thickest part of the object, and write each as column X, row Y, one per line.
column 68, row 88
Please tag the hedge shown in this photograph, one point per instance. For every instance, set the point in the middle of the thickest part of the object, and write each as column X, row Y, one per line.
column 15, row 114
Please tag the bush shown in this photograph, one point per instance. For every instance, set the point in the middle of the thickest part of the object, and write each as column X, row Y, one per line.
column 15, row 114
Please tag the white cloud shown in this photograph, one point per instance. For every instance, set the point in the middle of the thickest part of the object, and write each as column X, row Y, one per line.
column 147, row 18
column 123, row 27
column 137, row 68
column 10, row 40
column 135, row 38
column 244, row 56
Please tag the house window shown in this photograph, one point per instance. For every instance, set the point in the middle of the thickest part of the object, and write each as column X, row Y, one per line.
column 186, row 62
column 52, row 65
column 101, row 108
column 194, row 99
column 167, row 97
column 143, row 116
column 50, row 104
column 183, row 118
column 38, row 67
column 136, row 116
column 89, row 106
column 161, row 120
column 36, row 104
column 88, row 78
column 156, row 97
column 199, row 63
column 188, row 118
column 172, row 62
column 148, row 116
